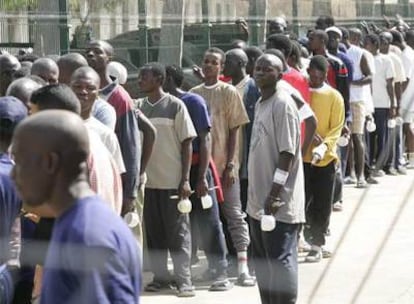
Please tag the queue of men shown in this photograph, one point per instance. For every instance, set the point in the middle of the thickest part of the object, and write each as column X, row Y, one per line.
column 247, row 166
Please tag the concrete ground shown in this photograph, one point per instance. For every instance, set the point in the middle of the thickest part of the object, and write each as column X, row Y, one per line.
column 372, row 262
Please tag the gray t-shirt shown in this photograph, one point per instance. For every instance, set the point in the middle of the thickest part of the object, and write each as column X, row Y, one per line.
column 276, row 129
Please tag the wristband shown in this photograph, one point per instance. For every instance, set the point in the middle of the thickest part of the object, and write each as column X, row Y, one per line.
column 280, row 177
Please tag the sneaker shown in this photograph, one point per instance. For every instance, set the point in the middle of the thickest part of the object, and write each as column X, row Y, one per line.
column 157, row 286
column 222, row 283
column 349, row 180
column 378, row 173
column 361, row 184
column 246, row 280
column 303, row 246
column 410, row 165
column 326, row 254
column 372, row 181
column 337, row 207
column 314, row 256
column 402, row 170
column 391, row 172
column 185, row 291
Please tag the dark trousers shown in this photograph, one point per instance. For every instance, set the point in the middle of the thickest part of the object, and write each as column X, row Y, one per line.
column 167, row 230
column 275, row 261
column 207, row 222
column 379, row 137
column 319, row 186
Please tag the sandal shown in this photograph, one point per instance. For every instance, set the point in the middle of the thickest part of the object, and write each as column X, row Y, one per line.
column 221, row 285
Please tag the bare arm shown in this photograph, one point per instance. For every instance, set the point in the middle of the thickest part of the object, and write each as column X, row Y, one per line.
column 149, row 135
column 365, row 69
column 390, row 91
column 204, row 159
column 186, row 153
column 228, row 175
column 310, row 130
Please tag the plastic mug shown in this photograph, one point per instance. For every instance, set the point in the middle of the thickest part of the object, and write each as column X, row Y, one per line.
column 371, row 126
column 131, row 219
column 184, row 206
column 206, row 201
column 268, row 223
column 391, row 123
column 343, row 141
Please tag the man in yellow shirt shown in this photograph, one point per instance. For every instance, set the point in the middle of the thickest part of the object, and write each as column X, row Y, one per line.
column 320, row 159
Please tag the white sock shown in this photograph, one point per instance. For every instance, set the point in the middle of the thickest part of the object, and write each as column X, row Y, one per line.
column 242, row 262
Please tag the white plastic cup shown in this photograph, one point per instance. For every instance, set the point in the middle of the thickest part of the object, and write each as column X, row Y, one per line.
column 268, row 223
column 206, row 201
column 391, row 123
column 184, row 206
column 371, row 126
column 131, row 219
column 399, row 121
column 343, row 141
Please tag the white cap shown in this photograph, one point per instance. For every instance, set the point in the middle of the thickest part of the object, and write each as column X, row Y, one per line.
column 116, row 70
column 335, row 30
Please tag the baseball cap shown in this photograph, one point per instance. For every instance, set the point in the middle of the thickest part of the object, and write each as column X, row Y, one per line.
column 116, row 71
column 335, row 30
column 12, row 111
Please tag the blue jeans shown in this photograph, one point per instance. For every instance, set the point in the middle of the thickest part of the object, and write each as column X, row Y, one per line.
column 208, row 223
column 275, row 260
column 379, row 138
column 6, row 285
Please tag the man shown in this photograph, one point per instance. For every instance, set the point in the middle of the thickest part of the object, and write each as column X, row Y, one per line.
column 252, row 52
column 23, row 88
column 99, row 53
column 277, row 26
column 8, row 66
column 361, row 78
column 235, row 68
column 46, row 69
column 328, row 106
column 228, row 114
column 338, row 79
column 88, row 260
column 202, row 177
column 355, row 39
column 393, row 163
column 275, row 176
column 382, row 86
column 12, row 111
column 101, row 110
column 168, row 174
column 407, row 97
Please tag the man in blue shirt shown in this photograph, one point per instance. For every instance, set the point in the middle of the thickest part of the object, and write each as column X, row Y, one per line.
column 206, row 220
column 92, row 256
column 12, row 111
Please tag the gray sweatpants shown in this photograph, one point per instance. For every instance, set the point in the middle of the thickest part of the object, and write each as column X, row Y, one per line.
column 232, row 211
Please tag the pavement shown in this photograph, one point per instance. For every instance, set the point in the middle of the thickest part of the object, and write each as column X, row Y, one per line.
column 372, row 261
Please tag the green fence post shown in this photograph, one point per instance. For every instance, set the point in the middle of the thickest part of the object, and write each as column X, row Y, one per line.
column 63, row 26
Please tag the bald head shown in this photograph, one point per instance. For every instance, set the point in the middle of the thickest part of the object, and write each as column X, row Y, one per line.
column 23, row 88
column 239, row 54
column 8, row 66
column 268, row 72
column 86, row 73
column 59, row 143
column 46, row 69
column 272, row 60
column 68, row 64
column 235, row 64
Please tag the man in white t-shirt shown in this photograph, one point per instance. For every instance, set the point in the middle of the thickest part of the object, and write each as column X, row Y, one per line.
column 361, row 78
column 393, row 153
column 407, row 98
column 382, row 86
